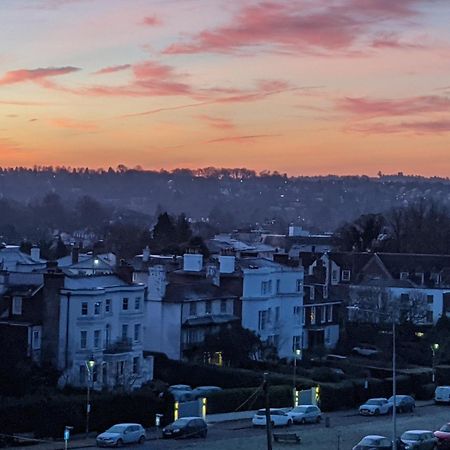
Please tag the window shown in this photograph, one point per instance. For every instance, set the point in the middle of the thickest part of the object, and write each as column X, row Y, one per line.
column 277, row 314
column 108, row 305
column 125, row 304
column 330, row 313
column 298, row 285
column 97, row 339
column 297, row 310
column 269, row 287
column 36, row 340
column 137, row 332
column 17, row 306
column 84, row 309
column 266, row 287
column 262, row 320
column 404, row 275
column 124, row 331
column 335, row 276
column 323, row 314
column 274, row 339
column 83, row 339
column 97, row 308
column 107, row 334
column 296, row 343
column 223, row 306
column 325, row 291
column 346, row 275
column 136, row 364
column 137, row 303
column 429, row 316
column 82, row 374
column 430, row 299
column 312, row 292
column 208, row 307
column 278, row 286
column 192, row 309
column 312, row 315
column 303, row 321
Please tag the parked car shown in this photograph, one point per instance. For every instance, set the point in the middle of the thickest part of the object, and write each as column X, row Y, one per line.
column 405, row 403
column 418, row 440
column 305, row 413
column 278, row 418
column 443, row 437
column 181, row 392
column 375, row 407
column 374, row 442
column 366, row 350
column 204, row 391
column 442, row 394
column 179, row 387
column 120, row 434
column 186, row 427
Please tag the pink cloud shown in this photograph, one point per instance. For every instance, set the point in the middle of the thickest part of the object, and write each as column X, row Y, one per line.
column 151, row 21
column 297, row 26
column 416, row 127
column 73, row 124
column 241, row 139
column 367, row 107
column 112, row 69
column 391, row 40
column 22, row 75
column 217, row 122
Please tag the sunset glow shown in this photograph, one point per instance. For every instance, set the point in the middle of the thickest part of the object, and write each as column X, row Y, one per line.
column 299, row 86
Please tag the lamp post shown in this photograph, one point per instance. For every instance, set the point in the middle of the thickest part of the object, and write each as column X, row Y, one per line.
column 434, row 349
column 394, row 371
column 90, row 364
column 297, row 354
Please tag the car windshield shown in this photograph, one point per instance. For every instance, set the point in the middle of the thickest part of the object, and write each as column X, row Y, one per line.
column 398, row 399
column 180, row 387
column 116, row 429
column 300, row 409
column 374, row 402
column 445, row 428
column 370, row 441
column 180, row 422
column 411, row 436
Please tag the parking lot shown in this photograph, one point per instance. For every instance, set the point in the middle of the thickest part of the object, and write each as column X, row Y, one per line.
column 346, row 429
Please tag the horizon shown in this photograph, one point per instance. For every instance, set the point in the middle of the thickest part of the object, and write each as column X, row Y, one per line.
column 343, row 88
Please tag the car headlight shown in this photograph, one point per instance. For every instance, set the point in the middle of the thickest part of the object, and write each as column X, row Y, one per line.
column 176, row 430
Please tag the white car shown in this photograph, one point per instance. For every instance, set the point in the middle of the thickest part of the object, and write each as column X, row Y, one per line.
column 375, row 407
column 181, row 392
column 306, row 413
column 120, row 434
column 278, row 418
column 204, row 391
column 442, row 394
column 366, row 350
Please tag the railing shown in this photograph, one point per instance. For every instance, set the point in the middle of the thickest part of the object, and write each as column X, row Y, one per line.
column 120, row 346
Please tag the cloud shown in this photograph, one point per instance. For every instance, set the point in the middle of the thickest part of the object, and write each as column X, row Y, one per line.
column 22, row 75
column 73, row 124
column 392, row 41
column 112, row 69
column 367, row 107
column 297, row 26
column 416, row 127
column 242, row 139
column 151, row 21
column 23, row 103
column 217, row 122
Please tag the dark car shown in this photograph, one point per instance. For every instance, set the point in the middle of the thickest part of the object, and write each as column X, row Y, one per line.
column 443, row 437
column 405, row 403
column 186, row 427
column 374, row 442
column 418, row 440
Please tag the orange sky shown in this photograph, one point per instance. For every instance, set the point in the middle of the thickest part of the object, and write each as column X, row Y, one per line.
column 303, row 87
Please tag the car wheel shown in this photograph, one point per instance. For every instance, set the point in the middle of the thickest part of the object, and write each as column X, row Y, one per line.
column 119, row 443
column 289, row 423
column 141, row 440
column 377, row 412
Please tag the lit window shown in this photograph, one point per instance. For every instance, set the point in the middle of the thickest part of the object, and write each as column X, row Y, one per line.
column 84, row 309
column 125, row 304
column 17, row 306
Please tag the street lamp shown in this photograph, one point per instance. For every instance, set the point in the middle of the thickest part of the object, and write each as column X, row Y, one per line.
column 90, row 365
column 394, row 371
column 297, row 354
column 434, row 349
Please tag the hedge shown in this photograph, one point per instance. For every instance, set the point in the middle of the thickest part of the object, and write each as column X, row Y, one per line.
column 230, row 400
column 443, row 375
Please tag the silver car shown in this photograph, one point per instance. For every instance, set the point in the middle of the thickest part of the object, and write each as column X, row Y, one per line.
column 306, row 413
column 120, row 434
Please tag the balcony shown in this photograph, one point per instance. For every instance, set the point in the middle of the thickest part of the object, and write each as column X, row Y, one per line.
column 123, row 345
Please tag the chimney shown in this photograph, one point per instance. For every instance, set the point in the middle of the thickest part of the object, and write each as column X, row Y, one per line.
column 75, row 254
column 146, row 254
column 227, row 263
column 213, row 274
column 125, row 271
column 157, row 282
column 192, row 262
column 35, row 253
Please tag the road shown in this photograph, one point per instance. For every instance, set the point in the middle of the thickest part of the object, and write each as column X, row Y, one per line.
column 346, row 426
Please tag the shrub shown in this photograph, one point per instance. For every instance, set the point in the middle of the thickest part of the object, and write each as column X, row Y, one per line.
column 325, row 374
column 425, row 392
column 443, row 374
column 335, row 396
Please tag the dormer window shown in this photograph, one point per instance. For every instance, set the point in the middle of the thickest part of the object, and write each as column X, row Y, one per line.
column 404, row 275
column 346, row 275
column 17, row 306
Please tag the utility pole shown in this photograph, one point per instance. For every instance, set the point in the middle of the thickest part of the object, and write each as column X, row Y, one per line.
column 268, row 419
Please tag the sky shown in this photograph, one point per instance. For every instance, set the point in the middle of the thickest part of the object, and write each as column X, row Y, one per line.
column 304, row 87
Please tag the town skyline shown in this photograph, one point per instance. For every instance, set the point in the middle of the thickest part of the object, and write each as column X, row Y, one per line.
column 304, row 88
